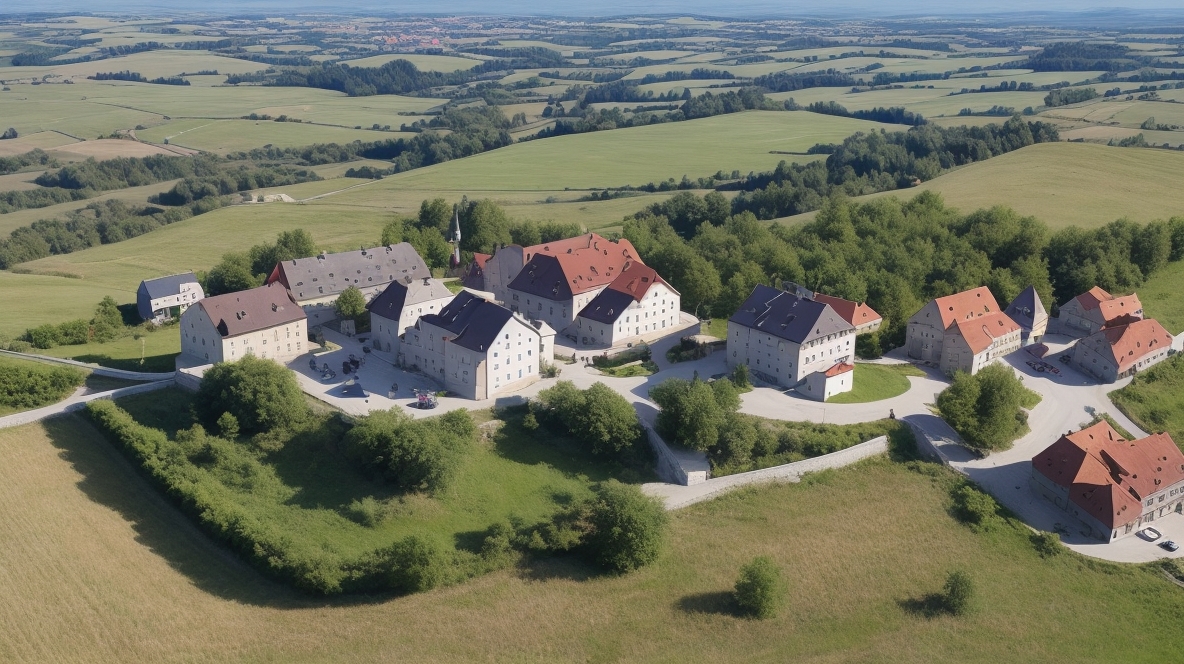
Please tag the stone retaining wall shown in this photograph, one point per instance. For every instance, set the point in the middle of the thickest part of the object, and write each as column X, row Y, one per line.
column 97, row 370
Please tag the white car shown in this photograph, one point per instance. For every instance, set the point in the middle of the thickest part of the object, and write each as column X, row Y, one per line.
column 1150, row 534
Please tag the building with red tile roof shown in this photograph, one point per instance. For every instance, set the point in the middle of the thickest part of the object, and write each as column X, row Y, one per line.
column 503, row 267
column 962, row 332
column 559, row 280
column 1114, row 486
column 859, row 314
column 1121, row 350
column 637, row 303
column 1091, row 311
column 822, row 385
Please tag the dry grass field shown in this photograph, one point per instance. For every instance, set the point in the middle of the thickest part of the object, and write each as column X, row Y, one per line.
column 97, row 567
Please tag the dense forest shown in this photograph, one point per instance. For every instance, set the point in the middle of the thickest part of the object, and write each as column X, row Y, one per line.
column 894, row 255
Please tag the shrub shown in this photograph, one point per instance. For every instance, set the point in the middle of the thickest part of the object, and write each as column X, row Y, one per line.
column 1047, row 544
column 44, row 336
column 413, row 455
column 598, row 417
column 958, row 593
column 228, row 426
column 628, row 527
column 19, row 346
column 976, row 508
column 35, row 386
column 74, row 333
column 108, row 321
column 260, row 394
column 414, row 564
column 760, row 590
column 985, row 408
column 740, row 376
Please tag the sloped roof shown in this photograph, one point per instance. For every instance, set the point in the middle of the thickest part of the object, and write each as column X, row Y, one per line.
column 571, row 245
column 1127, row 344
column 1108, row 476
column 630, row 286
column 856, row 313
column 406, row 292
column 475, row 321
column 1119, row 307
column 166, row 286
column 474, row 276
column 1027, row 308
column 333, row 273
column 965, row 305
column 787, row 316
column 838, row 369
column 252, row 310
column 1090, row 299
column 981, row 332
column 589, row 265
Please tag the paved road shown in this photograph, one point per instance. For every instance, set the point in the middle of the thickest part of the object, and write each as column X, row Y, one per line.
column 76, row 402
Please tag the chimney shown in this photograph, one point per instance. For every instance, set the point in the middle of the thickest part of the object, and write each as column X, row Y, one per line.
column 427, row 281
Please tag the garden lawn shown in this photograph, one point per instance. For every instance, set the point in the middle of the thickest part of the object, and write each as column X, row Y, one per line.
column 155, row 589
column 513, row 476
column 875, row 382
column 1154, row 400
column 159, row 349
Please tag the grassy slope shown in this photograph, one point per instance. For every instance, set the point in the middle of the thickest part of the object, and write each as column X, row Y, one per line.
column 96, row 568
column 638, row 155
column 875, row 382
column 1066, row 184
column 1161, row 296
column 1155, row 399
column 158, row 350
column 9, row 361
column 223, row 136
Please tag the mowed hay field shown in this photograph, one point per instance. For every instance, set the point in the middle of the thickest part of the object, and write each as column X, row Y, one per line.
column 97, row 567
column 746, row 141
column 1065, row 184
column 223, row 136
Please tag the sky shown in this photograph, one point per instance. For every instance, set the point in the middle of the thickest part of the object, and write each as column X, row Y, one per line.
column 598, row 7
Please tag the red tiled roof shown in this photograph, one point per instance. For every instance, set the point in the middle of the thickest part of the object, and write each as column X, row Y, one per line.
column 856, row 313
column 966, row 305
column 636, row 279
column 840, row 368
column 1120, row 307
column 1092, row 298
column 1108, row 476
column 1127, row 344
column 576, row 244
column 981, row 332
column 575, row 271
column 480, row 259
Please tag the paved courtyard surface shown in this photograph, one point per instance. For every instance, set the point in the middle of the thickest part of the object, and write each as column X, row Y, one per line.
column 1068, row 401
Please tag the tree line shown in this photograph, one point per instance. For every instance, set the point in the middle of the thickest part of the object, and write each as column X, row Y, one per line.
column 136, row 77
column 892, row 254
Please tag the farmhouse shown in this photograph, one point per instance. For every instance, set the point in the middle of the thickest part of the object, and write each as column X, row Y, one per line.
column 783, row 338
column 635, row 304
column 864, row 318
column 1091, row 311
column 500, row 270
column 155, row 298
column 1114, row 486
column 1028, row 312
column 316, row 282
column 400, row 305
column 961, row 332
column 266, row 322
column 1118, row 351
column 555, row 287
column 476, row 348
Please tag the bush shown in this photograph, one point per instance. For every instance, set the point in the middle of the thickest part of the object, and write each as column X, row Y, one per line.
column 34, row 386
column 1047, row 544
column 414, row 564
column 740, row 376
column 260, row 394
column 228, row 426
column 412, row 454
column 598, row 417
column 985, row 409
column 958, row 593
column 976, row 508
column 108, row 321
column 44, row 336
column 760, row 590
column 628, row 527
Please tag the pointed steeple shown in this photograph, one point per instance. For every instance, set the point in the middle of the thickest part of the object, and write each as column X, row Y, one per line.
column 455, row 237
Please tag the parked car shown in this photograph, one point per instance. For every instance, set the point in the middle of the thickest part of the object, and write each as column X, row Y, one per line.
column 1150, row 534
column 1169, row 545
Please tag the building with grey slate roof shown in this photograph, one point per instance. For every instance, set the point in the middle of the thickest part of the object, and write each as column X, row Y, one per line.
column 783, row 338
column 155, row 298
column 266, row 322
column 1029, row 313
column 476, row 348
column 317, row 281
column 400, row 305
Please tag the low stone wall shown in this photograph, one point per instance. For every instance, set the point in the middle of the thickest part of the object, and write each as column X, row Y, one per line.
column 790, row 472
column 97, row 370
column 687, row 472
column 74, row 404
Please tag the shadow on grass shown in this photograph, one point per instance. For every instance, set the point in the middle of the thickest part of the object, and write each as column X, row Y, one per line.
column 932, row 605
column 720, row 602
column 558, row 568
column 152, row 363
column 110, row 480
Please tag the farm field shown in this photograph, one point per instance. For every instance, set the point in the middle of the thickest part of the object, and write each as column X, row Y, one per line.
column 744, row 141
column 44, row 140
column 155, row 588
column 1065, row 184
column 14, row 220
column 444, row 63
column 151, row 64
column 223, row 136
